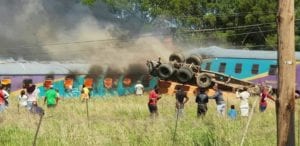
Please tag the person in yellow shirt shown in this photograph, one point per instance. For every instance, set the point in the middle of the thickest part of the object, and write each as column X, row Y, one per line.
column 85, row 93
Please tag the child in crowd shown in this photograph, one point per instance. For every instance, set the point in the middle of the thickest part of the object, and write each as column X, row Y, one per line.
column 232, row 113
column 22, row 99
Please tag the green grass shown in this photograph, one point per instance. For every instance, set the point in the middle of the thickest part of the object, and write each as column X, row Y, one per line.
column 125, row 121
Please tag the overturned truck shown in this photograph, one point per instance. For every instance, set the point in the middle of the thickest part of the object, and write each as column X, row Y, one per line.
column 188, row 71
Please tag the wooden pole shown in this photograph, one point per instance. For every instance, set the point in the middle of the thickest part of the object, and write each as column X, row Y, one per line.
column 87, row 109
column 37, row 130
column 285, row 103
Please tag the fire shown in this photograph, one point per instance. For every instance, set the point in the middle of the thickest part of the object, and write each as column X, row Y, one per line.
column 127, row 81
column 88, row 82
column 108, row 83
column 68, row 83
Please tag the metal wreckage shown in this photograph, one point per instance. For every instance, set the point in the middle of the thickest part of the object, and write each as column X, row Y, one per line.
column 188, row 72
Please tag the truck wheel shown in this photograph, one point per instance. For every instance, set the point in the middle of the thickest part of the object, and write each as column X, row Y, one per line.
column 178, row 57
column 194, row 59
column 203, row 80
column 184, row 74
column 165, row 71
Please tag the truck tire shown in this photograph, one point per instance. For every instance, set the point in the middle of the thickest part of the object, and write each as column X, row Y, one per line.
column 203, row 80
column 184, row 74
column 178, row 57
column 194, row 59
column 165, row 71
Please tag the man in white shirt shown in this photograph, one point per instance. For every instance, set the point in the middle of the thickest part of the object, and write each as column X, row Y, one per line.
column 32, row 95
column 139, row 88
column 244, row 106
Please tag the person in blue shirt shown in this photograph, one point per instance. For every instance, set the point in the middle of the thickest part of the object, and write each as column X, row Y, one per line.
column 232, row 112
column 218, row 96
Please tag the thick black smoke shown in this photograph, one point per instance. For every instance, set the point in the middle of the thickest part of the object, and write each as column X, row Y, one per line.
column 135, row 71
column 113, row 73
column 64, row 30
column 27, row 25
column 95, row 72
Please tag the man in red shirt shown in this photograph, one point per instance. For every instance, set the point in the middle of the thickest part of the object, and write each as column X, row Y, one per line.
column 3, row 99
column 263, row 102
column 152, row 104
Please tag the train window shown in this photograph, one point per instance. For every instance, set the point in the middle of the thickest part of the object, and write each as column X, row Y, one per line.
column 207, row 67
column 255, row 68
column 238, row 68
column 222, row 67
column 273, row 69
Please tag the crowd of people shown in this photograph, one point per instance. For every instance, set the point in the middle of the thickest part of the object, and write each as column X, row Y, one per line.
column 28, row 99
column 202, row 99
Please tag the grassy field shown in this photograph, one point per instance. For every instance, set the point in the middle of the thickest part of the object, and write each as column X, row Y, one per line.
column 126, row 121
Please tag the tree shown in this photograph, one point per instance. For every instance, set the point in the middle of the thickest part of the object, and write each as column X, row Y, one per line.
column 186, row 16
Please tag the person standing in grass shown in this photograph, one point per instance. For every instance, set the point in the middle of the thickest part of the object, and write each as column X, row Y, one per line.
column 218, row 96
column 85, row 93
column 32, row 94
column 6, row 96
column 51, row 98
column 22, row 98
column 152, row 103
column 201, row 100
column 263, row 100
column 181, row 99
column 3, row 98
column 232, row 114
column 244, row 106
column 139, row 88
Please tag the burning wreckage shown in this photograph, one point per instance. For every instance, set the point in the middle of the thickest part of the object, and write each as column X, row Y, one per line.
column 188, row 72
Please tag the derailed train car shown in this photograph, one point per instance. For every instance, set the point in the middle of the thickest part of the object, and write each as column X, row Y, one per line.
column 230, row 68
column 69, row 78
column 186, row 68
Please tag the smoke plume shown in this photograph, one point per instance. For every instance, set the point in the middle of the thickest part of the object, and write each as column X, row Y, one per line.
column 63, row 30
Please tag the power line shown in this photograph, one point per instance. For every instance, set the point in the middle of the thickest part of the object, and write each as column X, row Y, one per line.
column 151, row 35
column 230, row 28
column 148, row 35
column 231, row 14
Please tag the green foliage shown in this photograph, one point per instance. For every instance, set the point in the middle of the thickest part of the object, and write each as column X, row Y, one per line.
column 205, row 14
column 88, row 2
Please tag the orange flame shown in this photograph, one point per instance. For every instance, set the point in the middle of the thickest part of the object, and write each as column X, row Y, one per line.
column 108, row 82
column 68, row 83
column 88, row 82
column 127, row 81
column 5, row 81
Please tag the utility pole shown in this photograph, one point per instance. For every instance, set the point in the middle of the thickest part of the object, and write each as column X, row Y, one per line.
column 285, row 103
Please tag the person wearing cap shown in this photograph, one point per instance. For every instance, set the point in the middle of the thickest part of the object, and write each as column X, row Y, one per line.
column 51, row 97
column 139, row 88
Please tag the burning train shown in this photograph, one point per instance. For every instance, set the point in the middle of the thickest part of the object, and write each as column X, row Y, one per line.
column 69, row 78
